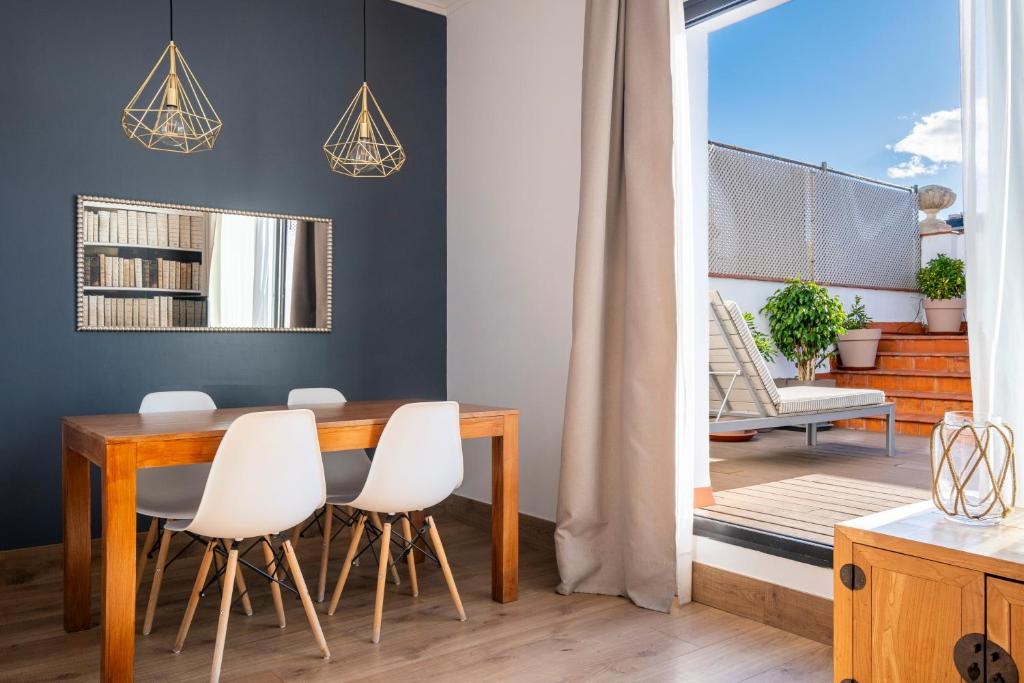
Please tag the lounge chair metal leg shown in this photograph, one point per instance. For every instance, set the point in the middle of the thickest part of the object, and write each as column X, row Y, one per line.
column 811, row 431
column 890, row 433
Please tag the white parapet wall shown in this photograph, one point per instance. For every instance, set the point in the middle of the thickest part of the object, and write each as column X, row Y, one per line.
column 882, row 305
column 949, row 243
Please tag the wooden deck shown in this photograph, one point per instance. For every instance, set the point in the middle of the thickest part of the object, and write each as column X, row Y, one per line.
column 777, row 484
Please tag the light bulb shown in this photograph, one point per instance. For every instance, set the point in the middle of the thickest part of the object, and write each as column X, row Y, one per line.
column 170, row 125
column 364, row 153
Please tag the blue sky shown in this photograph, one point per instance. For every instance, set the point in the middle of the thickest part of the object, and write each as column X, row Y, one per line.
column 872, row 87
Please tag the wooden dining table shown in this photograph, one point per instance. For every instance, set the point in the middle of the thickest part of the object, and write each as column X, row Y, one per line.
column 120, row 444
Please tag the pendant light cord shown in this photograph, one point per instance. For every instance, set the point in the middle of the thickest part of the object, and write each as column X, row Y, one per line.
column 364, row 41
column 170, row 7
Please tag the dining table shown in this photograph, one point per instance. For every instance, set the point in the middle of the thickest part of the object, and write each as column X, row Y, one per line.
column 118, row 445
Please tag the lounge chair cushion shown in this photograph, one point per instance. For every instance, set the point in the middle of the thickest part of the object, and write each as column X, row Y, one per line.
column 814, row 399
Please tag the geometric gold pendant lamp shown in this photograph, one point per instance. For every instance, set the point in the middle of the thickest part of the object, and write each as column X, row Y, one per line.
column 363, row 144
column 171, row 114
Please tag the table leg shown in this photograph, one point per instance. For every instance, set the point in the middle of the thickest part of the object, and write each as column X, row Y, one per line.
column 77, row 542
column 505, row 512
column 118, row 598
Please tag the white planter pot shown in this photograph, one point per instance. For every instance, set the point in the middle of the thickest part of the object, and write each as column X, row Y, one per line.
column 858, row 348
column 944, row 315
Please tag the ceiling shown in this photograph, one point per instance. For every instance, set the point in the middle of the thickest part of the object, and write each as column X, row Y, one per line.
column 437, row 6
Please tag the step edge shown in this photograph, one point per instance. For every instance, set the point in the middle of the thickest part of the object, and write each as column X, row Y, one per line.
column 933, row 395
column 901, row 373
column 926, row 354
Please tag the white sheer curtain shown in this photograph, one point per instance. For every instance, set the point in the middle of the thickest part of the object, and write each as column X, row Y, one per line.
column 992, row 45
column 691, row 307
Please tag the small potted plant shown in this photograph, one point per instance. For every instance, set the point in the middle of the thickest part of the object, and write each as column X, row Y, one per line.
column 859, row 346
column 805, row 322
column 943, row 284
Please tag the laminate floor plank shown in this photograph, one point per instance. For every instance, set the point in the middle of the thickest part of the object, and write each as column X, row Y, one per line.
column 541, row 637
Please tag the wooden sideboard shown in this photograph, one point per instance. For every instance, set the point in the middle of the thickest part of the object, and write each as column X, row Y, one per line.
column 921, row 598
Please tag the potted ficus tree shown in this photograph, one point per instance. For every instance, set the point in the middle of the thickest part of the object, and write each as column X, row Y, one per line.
column 858, row 347
column 761, row 340
column 943, row 284
column 804, row 323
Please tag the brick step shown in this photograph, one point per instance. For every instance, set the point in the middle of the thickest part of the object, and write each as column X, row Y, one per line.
column 923, row 343
column 905, row 380
column 910, row 424
column 948, row 361
column 926, row 406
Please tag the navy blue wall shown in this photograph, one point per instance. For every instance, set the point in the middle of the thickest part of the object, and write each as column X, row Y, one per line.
column 279, row 74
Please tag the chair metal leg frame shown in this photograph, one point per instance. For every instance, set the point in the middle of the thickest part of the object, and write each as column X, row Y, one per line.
column 408, row 543
column 275, row 562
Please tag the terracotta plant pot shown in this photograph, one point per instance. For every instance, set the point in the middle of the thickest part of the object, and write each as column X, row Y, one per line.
column 858, row 348
column 944, row 315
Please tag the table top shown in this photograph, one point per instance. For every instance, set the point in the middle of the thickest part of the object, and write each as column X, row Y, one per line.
column 998, row 548
column 129, row 427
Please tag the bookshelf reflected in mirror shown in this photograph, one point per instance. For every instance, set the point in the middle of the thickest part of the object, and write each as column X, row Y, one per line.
column 147, row 266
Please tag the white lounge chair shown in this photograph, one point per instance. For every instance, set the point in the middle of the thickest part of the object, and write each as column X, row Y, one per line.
column 744, row 393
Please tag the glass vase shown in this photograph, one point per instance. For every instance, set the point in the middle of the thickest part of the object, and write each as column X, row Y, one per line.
column 974, row 479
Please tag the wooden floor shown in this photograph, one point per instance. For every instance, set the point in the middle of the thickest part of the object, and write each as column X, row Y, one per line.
column 542, row 637
column 778, row 484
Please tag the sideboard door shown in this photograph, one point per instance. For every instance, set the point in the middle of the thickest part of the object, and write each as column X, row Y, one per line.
column 1005, row 617
column 909, row 615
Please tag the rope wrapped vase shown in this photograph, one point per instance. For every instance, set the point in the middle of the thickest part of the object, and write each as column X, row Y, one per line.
column 974, row 478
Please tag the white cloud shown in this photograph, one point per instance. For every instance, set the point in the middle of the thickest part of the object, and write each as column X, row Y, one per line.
column 933, row 143
column 915, row 166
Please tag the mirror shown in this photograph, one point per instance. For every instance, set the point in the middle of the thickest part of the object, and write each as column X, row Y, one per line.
column 146, row 266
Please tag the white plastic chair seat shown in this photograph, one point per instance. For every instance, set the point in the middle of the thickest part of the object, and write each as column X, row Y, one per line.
column 343, row 499
column 267, row 476
column 345, row 472
column 171, row 492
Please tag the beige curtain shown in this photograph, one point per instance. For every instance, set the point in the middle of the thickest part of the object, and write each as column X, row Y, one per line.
column 616, row 509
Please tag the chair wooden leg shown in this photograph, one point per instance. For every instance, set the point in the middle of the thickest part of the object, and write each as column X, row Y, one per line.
column 307, row 603
column 351, row 512
column 158, row 577
column 193, row 599
column 346, row 567
column 395, row 578
column 410, row 559
column 275, row 590
column 225, row 613
column 325, row 551
column 147, row 546
column 243, row 593
column 435, row 540
column 378, row 604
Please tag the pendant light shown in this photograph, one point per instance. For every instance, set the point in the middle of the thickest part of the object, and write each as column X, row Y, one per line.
column 363, row 144
column 172, row 114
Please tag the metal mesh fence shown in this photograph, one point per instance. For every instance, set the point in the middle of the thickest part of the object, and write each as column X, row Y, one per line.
column 772, row 218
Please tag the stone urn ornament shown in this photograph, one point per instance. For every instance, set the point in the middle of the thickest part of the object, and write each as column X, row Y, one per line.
column 931, row 199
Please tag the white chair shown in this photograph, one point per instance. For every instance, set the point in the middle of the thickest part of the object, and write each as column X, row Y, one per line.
column 417, row 464
column 267, row 477
column 345, row 474
column 164, row 493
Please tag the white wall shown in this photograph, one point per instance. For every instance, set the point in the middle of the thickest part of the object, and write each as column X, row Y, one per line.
column 514, row 93
column 950, row 244
column 883, row 306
